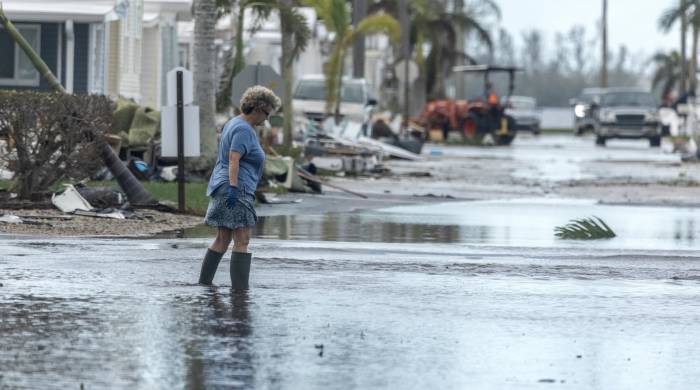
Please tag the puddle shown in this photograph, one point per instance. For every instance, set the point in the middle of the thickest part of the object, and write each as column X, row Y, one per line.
column 515, row 223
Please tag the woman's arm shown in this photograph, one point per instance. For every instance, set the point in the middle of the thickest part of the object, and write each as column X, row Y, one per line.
column 234, row 159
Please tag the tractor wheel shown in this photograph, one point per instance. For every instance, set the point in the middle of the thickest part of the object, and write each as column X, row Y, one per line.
column 655, row 142
column 507, row 139
column 469, row 126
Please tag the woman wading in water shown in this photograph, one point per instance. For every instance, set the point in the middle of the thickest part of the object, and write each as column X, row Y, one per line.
column 232, row 185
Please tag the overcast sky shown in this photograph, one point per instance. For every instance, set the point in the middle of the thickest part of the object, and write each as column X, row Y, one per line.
column 631, row 22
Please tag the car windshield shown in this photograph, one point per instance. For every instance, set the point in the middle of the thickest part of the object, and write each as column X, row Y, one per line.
column 316, row 90
column 638, row 99
column 587, row 98
column 522, row 104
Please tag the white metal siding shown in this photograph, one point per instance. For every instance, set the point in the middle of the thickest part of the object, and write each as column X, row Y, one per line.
column 149, row 67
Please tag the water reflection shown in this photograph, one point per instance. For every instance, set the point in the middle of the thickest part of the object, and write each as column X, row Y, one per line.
column 223, row 354
column 361, row 228
column 520, row 222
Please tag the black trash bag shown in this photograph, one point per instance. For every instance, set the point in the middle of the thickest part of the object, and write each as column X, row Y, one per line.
column 102, row 197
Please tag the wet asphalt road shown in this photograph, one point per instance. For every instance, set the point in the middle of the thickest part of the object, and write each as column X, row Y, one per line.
column 459, row 295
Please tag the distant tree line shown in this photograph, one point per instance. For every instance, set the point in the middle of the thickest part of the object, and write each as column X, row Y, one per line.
column 554, row 74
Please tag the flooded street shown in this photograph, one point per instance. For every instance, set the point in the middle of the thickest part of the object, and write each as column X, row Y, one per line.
column 466, row 293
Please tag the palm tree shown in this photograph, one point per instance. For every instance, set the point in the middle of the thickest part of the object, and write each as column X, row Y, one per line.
column 336, row 17
column 235, row 62
column 667, row 72
column 295, row 35
column 679, row 13
column 431, row 23
column 205, row 16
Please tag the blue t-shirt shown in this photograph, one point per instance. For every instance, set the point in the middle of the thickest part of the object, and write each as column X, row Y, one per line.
column 238, row 136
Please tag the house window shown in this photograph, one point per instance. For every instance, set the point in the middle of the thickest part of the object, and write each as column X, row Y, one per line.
column 96, row 68
column 15, row 67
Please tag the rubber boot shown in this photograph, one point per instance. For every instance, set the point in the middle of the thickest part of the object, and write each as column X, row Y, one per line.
column 209, row 266
column 240, row 269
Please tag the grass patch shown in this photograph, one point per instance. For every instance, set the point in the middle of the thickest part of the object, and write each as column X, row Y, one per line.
column 562, row 130
column 196, row 200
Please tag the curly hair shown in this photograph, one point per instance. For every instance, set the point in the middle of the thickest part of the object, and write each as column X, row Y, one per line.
column 259, row 98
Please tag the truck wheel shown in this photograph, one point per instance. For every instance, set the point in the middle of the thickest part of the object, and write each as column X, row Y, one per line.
column 600, row 140
column 655, row 142
column 504, row 140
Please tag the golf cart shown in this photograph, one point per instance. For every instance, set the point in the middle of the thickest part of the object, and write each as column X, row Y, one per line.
column 482, row 120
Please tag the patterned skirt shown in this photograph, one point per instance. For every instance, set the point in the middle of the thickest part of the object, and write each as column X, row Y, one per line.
column 220, row 215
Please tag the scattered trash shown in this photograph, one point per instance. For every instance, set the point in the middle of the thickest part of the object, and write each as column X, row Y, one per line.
column 9, row 218
column 6, row 175
column 169, row 173
column 17, row 220
column 584, row 229
column 268, row 198
column 70, row 201
column 102, row 197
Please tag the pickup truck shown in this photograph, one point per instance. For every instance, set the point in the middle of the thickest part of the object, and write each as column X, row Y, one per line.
column 310, row 99
column 627, row 113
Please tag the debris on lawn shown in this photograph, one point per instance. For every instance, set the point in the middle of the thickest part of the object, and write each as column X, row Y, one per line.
column 71, row 201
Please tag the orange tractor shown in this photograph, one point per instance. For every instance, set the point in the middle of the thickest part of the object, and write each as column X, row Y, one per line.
column 477, row 120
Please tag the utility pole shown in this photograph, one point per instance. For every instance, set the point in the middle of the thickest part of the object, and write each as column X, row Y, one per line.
column 604, row 69
column 359, row 12
column 460, row 81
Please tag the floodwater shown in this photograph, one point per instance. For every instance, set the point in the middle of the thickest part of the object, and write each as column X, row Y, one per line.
column 457, row 295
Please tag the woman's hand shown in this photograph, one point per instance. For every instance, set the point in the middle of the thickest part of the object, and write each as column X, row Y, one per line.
column 231, row 196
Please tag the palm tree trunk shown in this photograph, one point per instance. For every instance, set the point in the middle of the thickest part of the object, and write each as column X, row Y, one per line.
column 684, row 73
column 205, row 77
column 692, row 71
column 135, row 191
column 339, row 87
column 36, row 60
column 239, row 62
column 287, row 76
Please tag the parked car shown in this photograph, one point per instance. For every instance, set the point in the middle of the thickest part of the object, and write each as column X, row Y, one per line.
column 524, row 110
column 310, row 99
column 627, row 113
column 583, row 109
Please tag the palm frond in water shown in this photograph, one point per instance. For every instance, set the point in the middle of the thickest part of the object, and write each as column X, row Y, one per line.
column 584, row 229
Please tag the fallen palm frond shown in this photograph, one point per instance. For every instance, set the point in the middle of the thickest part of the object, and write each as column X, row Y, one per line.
column 584, row 229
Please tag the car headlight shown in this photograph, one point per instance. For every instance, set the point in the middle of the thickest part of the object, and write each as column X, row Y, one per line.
column 651, row 116
column 580, row 110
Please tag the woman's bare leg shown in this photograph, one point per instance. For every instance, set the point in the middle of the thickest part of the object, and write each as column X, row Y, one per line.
column 222, row 240
column 241, row 239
